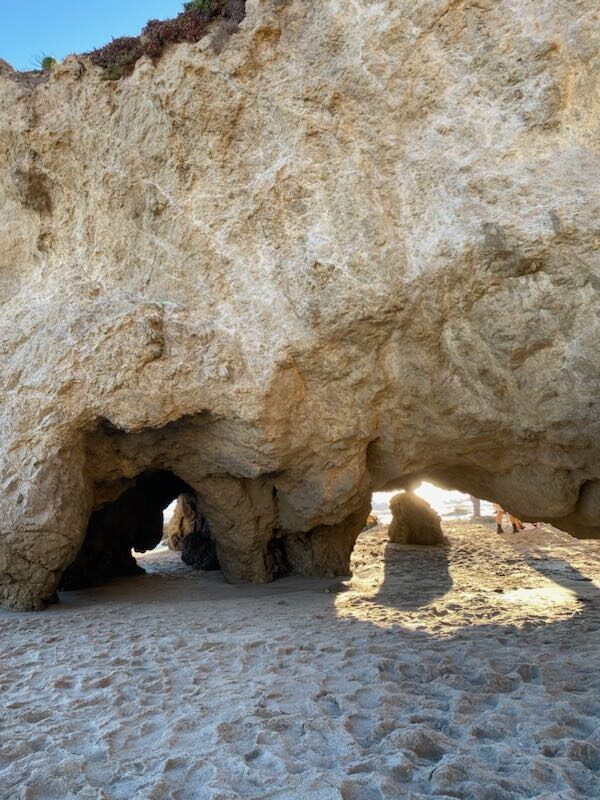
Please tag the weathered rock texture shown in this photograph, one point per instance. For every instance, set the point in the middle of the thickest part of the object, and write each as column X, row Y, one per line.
column 197, row 544
column 355, row 248
column 182, row 523
column 414, row 521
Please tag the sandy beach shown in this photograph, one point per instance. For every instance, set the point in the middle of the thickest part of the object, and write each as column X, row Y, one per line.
column 469, row 671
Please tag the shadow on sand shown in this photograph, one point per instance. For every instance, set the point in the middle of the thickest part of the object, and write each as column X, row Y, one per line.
column 401, row 564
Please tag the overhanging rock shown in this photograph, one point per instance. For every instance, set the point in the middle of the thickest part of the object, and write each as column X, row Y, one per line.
column 349, row 250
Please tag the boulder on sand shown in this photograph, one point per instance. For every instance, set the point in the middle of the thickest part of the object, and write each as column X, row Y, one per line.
column 371, row 522
column 414, row 521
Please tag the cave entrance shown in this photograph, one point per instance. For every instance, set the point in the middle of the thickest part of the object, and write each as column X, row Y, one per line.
column 134, row 522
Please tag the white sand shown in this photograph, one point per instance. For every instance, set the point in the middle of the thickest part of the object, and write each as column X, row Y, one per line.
column 420, row 681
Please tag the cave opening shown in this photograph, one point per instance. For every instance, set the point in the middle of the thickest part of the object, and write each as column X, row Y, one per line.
column 450, row 504
column 134, row 521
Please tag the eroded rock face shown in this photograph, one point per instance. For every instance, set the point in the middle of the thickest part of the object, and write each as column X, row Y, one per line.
column 182, row 522
column 414, row 521
column 197, row 544
column 349, row 251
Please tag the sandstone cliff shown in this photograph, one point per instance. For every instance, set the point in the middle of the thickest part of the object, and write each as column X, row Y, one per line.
column 355, row 247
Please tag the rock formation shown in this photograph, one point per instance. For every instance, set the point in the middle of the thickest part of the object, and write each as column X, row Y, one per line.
column 372, row 521
column 181, row 524
column 414, row 521
column 353, row 249
column 194, row 538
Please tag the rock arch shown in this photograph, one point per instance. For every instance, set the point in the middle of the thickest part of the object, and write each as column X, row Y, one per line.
column 343, row 253
column 262, row 525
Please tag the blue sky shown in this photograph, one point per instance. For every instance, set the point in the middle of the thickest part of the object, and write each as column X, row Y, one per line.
column 29, row 28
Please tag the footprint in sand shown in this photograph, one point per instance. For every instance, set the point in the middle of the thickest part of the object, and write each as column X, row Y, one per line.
column 362, row 728
column 366, row 698
column 328, row 704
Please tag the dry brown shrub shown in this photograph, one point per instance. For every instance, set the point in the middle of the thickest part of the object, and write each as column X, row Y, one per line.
column 118, row 58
